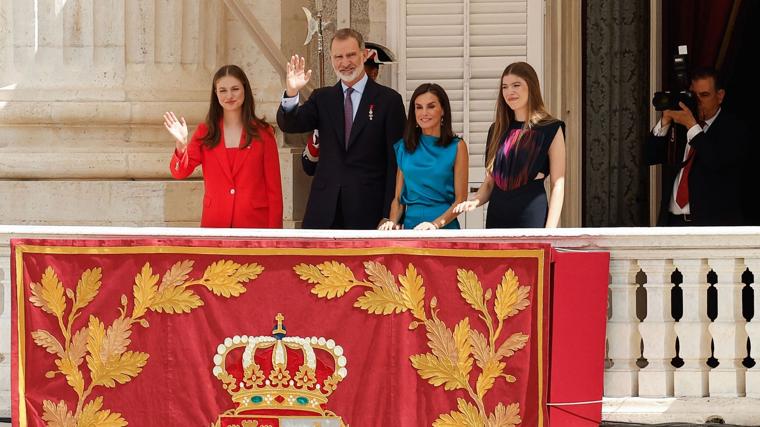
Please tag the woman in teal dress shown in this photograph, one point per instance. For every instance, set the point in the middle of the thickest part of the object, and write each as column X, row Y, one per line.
column 432, row 165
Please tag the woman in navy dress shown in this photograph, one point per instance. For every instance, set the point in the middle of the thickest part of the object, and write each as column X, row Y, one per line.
column 525, row 145
column 432, row 165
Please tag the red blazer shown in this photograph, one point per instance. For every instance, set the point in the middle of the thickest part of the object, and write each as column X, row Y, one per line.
column 247, row 194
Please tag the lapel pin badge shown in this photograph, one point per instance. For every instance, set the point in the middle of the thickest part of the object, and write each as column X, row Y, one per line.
column 371, row 111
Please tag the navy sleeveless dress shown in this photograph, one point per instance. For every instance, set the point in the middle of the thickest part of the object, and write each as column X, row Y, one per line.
column 518, row 199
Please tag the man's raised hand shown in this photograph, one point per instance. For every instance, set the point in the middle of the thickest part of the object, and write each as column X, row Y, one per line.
column 296, row 78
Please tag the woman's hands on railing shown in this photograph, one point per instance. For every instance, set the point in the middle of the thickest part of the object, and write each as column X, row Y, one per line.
column 426, row 226
column 466, row 206
column 387, row 224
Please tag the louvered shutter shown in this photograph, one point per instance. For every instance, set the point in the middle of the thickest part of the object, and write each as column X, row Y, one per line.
column 498, row 37
column 435, row 50
column 464, row 45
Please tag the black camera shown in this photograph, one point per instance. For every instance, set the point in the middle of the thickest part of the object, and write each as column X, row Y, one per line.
column 681, row 83
column 668, row 100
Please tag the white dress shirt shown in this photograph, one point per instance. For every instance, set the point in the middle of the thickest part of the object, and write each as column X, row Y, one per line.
column 660, row 130
column 289, row 103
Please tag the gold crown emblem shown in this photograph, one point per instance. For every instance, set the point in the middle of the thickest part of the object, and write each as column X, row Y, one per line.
column 269, row 375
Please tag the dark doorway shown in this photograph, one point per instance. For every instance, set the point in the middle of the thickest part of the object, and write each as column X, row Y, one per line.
column 617, row 96
column 722, row 34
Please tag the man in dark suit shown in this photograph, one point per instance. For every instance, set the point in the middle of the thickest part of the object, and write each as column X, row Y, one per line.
column 358, row 122
column 702, row 159
column 377, row 55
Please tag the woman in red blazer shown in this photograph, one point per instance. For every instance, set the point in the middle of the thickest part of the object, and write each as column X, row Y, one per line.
column 238, row 154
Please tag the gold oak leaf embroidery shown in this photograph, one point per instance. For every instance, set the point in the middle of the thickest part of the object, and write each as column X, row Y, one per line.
column 104, row 349
column 453, row 353
column 331, row 279
column 467, row 415
column 505, row 416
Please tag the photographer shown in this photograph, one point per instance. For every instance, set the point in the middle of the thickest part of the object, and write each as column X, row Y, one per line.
column 702, row 158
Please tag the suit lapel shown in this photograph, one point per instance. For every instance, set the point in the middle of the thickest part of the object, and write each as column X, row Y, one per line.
column 242, row 154
column 336, row 111
column 362, row 114
column 715, row 124
column 220, row 151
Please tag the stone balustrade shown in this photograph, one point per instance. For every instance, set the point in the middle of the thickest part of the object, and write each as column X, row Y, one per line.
column 680, row 326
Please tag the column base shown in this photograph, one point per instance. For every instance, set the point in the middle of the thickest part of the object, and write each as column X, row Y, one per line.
column 727, row 383
column 656, row 383
column 753, row 383
column 691, row 383
column 621, row 383
column 295, row 187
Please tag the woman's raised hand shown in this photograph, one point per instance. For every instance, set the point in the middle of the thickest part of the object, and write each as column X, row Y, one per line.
column 297, row 78
column 466, row 206
column 178, row 129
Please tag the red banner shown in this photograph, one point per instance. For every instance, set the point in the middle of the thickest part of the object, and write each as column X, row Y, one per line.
column 279, row 333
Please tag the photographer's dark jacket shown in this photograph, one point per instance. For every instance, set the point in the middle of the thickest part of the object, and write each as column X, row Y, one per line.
column 715, row 176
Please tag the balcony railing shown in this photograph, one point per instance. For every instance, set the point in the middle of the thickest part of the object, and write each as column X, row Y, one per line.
column 681, row 311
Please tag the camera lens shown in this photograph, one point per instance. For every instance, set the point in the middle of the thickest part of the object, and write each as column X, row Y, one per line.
column 662, row 101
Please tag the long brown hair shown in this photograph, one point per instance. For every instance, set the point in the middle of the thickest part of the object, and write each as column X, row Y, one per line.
column 537, row 113
column 412, row 132
column 251, row 123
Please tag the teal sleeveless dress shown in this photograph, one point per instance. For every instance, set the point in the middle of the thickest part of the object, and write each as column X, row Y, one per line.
column 428, row 180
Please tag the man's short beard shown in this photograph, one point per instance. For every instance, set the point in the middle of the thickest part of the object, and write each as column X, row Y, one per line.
column 350, row 77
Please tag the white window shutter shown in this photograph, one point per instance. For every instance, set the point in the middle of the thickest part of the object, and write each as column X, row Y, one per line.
column 435, row 42
column 464, row 45
column 498, row 37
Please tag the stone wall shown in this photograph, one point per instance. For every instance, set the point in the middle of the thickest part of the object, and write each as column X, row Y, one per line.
column 83, row 85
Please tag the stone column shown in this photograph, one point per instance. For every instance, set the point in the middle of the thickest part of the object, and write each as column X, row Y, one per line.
column 623, row 339
column 82, row 91
column 753, row 331
column 656, row 379
column 691, row 378
column 83, row 86
column 728, row 333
